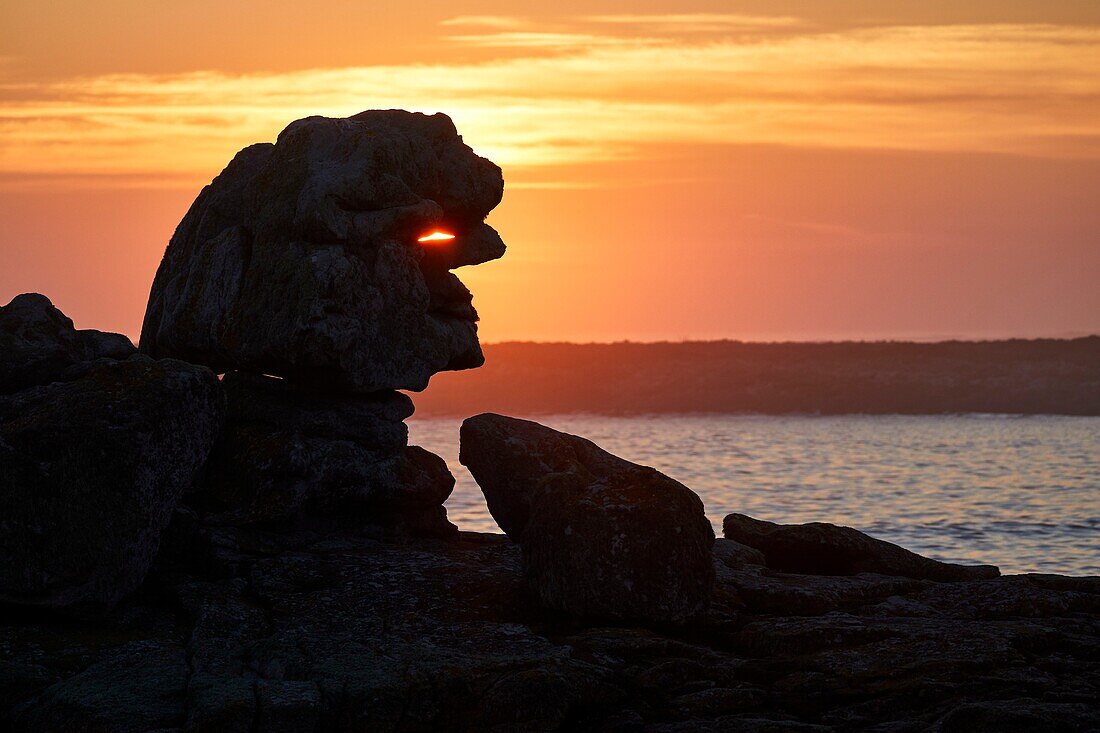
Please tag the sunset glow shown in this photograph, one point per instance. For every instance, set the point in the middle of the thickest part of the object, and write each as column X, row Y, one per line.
column 775, row 170
column 436, row 236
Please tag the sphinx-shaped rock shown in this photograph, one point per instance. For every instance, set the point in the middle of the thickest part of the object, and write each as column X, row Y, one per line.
column 299, row 272
column 90, row 473
column 819, row 548
column 39, row 345
column 602, row 537
column 301, row 259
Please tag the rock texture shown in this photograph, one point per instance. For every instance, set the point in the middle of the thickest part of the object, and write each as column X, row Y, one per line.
column 601, row 537
column 90, row 473
column 301, row 259
column 255, row 630
column 39, row 345
column 287, row 454
column 825, row 549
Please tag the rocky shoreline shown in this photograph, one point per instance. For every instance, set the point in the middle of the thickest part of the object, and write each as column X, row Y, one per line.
column 228, row 530
column 340, row 630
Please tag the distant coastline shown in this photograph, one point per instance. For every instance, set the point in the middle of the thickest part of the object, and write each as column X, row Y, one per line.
column 1013, row 376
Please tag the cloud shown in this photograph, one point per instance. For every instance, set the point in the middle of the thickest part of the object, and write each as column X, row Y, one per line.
column 486, row 21
column 1022, row 89
column 698, row 22
column 545, row 40
column 588, row 31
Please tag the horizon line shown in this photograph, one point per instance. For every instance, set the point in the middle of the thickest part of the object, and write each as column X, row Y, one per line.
column 807, row 342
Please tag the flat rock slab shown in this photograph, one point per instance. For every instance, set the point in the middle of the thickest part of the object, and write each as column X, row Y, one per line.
column 330, row 631
column 828, row 549
column 601, row 537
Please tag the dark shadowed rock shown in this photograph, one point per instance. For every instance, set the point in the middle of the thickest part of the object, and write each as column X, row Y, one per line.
column 509, row 458
column 334, row 630
column 137, row 687
column 261, row 476
column 287, row 452
column 735, row 555
column 373, row 420
column 819, row 548
column 1024, row 715
column 90, row 473
column 601, row 537
column 758, row 590
column 39, row 345
column 301, row 259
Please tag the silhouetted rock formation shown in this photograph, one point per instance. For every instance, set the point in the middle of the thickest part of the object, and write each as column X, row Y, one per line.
column 39, row 345
column 602, row 537
column 820, row 548
column 301, row 260
column 93, row 460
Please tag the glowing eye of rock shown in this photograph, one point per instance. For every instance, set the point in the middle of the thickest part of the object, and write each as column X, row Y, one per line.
column 436, row 236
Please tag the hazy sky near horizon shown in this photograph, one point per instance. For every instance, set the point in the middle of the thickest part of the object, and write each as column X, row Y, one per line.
column 746, row 169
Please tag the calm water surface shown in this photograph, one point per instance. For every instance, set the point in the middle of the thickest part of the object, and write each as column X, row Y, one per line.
column 1020, row 492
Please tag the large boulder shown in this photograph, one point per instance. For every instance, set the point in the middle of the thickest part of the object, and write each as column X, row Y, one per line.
column 818, row 548
column 39, row 345
column 301, row 259
column 602, row 537
column 90, row 473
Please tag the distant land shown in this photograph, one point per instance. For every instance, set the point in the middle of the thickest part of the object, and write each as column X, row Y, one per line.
column 1016, row 376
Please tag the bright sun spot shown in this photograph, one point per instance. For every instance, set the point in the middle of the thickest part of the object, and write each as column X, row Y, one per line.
column 436, row 236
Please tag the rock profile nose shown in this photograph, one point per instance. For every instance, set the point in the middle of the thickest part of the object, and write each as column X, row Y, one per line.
column 479, row 244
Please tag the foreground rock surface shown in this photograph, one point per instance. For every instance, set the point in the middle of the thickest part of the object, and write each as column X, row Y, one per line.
column 90, row 473
column 826, row 549
column 601, row 537
column 256, row 631
column 301, row 259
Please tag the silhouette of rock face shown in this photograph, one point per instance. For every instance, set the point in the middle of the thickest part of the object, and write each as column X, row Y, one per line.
column 301, row 258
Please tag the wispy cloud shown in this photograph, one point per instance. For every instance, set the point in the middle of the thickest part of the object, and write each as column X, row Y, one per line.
column 1027, row 89
column 546, row 40
column 486, row 21
column 698, row 22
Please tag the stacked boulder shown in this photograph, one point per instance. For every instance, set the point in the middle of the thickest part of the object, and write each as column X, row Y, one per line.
column 97, row 446
column 300, row 274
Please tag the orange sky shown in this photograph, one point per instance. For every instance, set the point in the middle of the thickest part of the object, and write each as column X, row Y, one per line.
column 756, row 170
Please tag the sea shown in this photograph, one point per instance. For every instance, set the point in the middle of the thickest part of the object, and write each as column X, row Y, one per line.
column 1020, row 492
